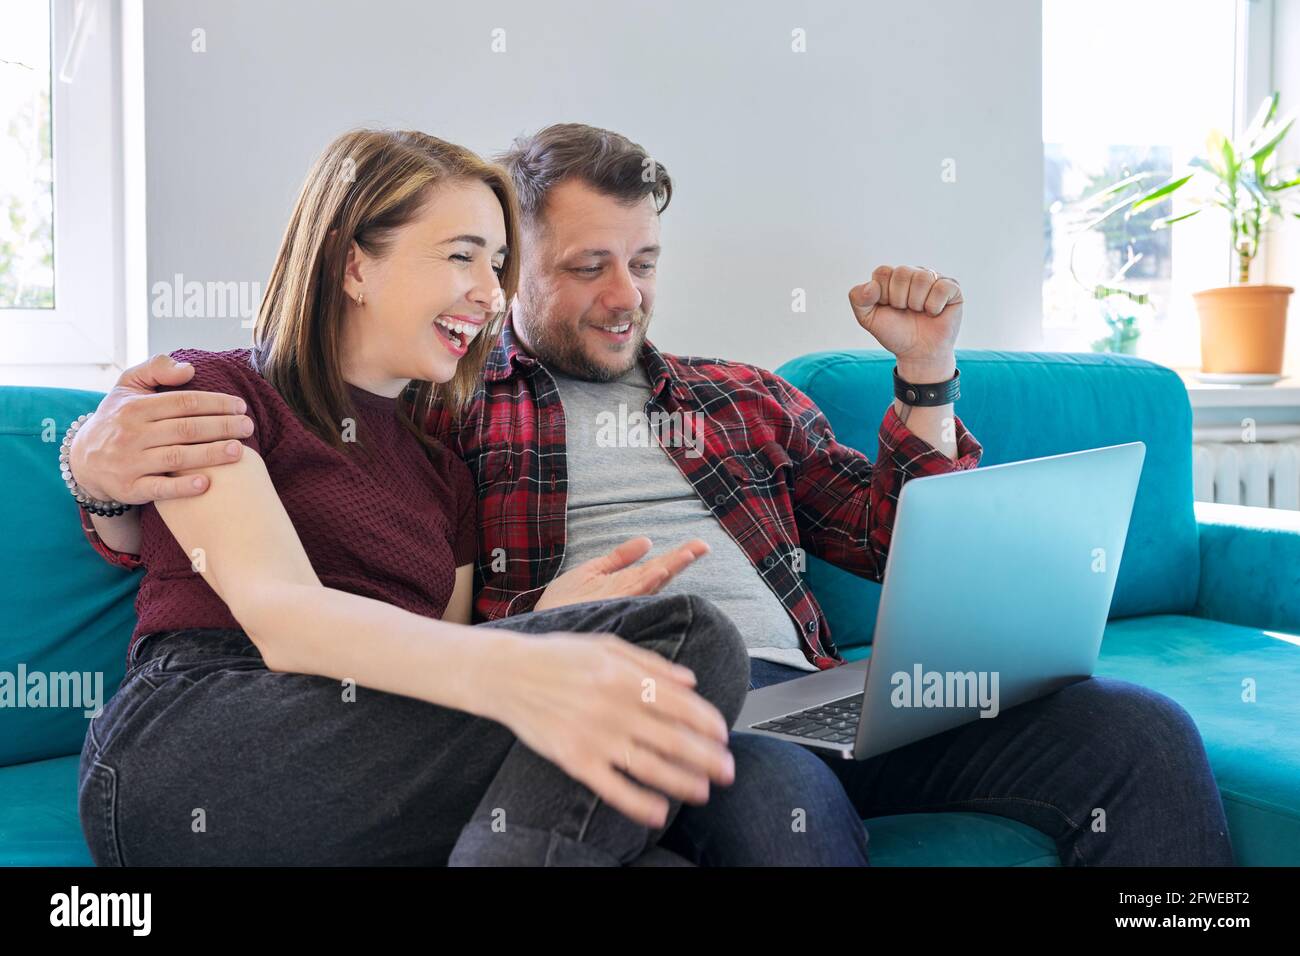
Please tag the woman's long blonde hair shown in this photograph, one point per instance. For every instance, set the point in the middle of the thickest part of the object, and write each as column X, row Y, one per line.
column 366, row 185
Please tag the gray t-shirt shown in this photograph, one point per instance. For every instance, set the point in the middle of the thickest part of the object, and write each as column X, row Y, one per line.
column 623, row 484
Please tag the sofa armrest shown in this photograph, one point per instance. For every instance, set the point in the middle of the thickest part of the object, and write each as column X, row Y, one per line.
column 1250, row 566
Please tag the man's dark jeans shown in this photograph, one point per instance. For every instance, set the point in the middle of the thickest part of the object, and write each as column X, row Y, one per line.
column 1116, row 774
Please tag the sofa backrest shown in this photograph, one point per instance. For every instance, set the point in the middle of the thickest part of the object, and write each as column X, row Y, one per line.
column 65, row 615
column 1028, row 405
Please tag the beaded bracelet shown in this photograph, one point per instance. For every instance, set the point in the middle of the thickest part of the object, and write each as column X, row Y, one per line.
column 105, row 509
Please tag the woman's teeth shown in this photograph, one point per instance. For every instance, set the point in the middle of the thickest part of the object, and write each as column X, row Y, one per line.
column 462, row 333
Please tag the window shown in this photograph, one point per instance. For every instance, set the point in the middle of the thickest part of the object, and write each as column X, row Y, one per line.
column 62, row 249
column 1129, row 88
column 26, row 161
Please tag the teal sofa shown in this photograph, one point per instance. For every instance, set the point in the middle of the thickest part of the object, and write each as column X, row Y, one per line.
column 1207, row 602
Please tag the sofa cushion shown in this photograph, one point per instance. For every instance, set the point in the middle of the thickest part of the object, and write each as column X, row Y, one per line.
column 1253, row 744
column 39, row 825
column 66, row 612
column 957, row 839
column 1253, row 747
column 1028, row 405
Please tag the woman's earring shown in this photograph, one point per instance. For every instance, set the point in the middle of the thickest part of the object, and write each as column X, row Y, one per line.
column 361, row 298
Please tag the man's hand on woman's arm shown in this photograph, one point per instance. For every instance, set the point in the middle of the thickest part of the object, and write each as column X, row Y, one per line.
column 136, row 438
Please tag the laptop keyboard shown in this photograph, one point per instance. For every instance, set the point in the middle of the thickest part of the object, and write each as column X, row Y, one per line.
column 833, row 723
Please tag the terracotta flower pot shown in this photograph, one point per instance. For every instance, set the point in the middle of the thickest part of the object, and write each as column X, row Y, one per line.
column 1243, row 328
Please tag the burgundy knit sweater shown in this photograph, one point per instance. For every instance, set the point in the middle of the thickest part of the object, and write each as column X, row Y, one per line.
column 387, row 520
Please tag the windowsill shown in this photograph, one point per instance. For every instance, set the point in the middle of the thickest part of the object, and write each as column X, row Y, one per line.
column 1207, row 395
column 1219, row 412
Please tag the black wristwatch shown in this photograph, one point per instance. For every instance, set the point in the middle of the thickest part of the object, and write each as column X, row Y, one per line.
column 937, row 393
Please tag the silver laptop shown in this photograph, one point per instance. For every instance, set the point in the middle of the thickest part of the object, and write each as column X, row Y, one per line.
column 996, row 592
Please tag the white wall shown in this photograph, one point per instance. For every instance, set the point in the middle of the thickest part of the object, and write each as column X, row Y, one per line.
column 791, row 169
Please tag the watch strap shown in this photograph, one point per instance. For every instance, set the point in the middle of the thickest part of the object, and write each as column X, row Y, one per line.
column 921, row 395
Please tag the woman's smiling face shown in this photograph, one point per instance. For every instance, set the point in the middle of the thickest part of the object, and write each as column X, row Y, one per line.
column 429, row 294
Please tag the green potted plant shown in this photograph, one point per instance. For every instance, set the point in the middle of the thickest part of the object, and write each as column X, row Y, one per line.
column 1243, row 326
column 1121, row 308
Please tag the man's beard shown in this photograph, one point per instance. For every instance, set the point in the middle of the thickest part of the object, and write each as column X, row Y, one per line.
column 559, row 347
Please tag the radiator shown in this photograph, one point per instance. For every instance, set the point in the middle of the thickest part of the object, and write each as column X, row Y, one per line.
column 1263, row 474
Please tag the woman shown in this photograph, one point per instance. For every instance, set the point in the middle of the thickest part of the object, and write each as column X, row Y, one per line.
column 303, row 686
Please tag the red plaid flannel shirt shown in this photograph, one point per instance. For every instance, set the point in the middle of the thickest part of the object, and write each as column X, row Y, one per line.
column 771, row 472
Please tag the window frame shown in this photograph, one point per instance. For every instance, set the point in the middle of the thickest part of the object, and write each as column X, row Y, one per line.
column 84, row 340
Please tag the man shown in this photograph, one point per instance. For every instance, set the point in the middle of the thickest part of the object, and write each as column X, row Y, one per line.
column 1115, row 773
